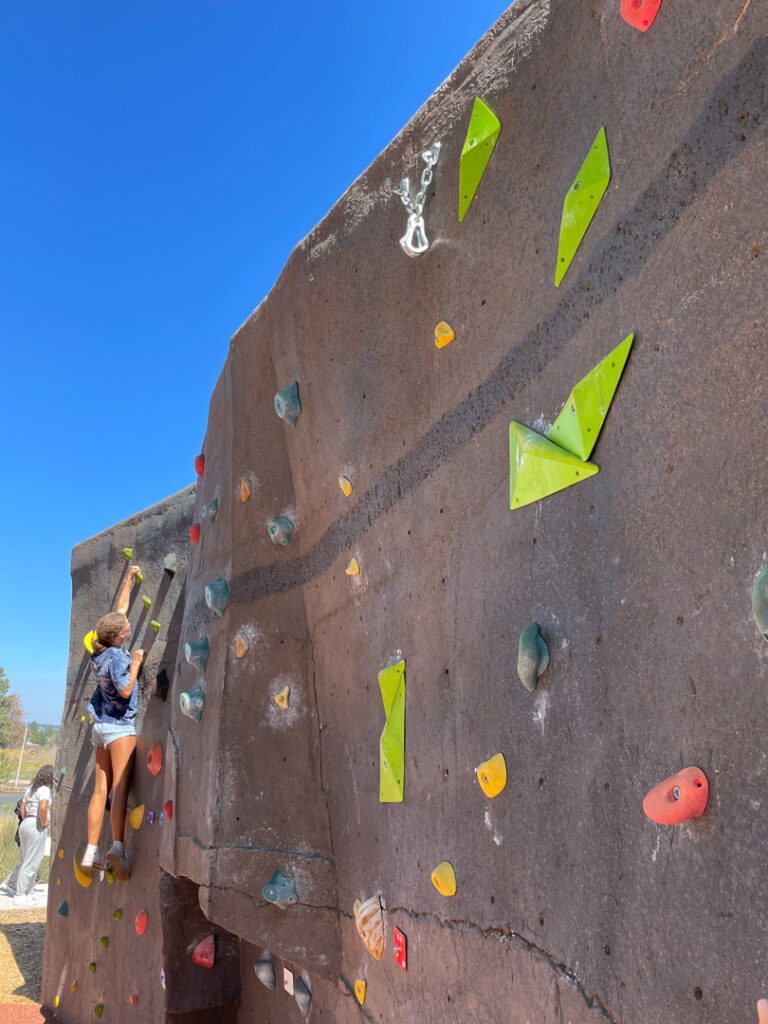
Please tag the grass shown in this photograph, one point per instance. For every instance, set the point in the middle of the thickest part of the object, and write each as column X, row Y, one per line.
column 34, row 758
column 9, row 851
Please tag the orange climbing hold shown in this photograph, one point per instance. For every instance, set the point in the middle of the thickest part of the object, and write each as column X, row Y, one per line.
column 640, row 13
column 141, row 922
column 678, row 798
column 199, row 464
column 245, row 489
column 241, row 645
column 194, row 533
column 204, row 952
column 155, row 759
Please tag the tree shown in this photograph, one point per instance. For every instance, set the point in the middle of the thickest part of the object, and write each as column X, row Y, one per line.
column 11, row 714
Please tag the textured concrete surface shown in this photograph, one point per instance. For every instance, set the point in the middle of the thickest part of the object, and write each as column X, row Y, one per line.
column 571, row 905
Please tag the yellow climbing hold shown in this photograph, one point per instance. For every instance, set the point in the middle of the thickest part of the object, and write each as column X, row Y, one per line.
column 61, row 853
column 346, row 485
column 360, row 987
column 58, row 881
column 444, row 334
column 88, row 639
column 55, row 1002
column 444, row 879
column 281, row 699
column 73, row 986
column 245, row 489
column 136, row 817
column 83, row 875
column 353, row 569
column 241, row 645
column 492, row 775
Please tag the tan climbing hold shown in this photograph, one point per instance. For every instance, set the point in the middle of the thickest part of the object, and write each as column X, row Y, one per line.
column 281, row 699
column 369, row 918
column 353, row 569
column 360, row 987
column 444, row 879
column 241, row 645
column 136, row 816
column 245, row 489
column 444, row 334
column 492, row 775
column 346, row 485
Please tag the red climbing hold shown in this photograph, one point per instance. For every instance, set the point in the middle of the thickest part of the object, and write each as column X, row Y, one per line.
column 200, row 459
column 678, row 798
column 400, row 958
column 133, row 1000
column 194, row 533
column 141, row 922
column 205, row 952
column 640, row 13
column 168, row 808
column 155, row 759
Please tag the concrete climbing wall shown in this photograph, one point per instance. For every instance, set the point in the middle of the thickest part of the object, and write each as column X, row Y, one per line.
column 571, row 904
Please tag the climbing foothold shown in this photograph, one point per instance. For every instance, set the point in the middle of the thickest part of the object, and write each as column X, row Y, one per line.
column 302, row 995
column 150, row 817
column 109, row 874
column 92, row 967
column 444, row 879
column 280, row 890
column 346, row 485
column 539, row 467
column 161, row 977
column 288, row 403
column 146, row 600
column 245, row 489
column 241, row 645
column 61, row 854
column 640, row 14
column 392, row 741
column 280, row 530
column 204, row 953
column 196, row 652
column 160, row 818
column 171, row 563
column 678, row 798
column 200, row 464
column 369, row 918
column 483, row 131
column 288, row 981
column 155, row 759
column 532, row 656
column 581, row 202
column 55, row 1001
column 117, row 913
column 217, row 596
column 58, row 881
column 265, row 971
column 168, row 808
column 104, row 940
column 194, row 533
column 133, row 1000
column 444, row 334
column 192, row 702
column 210, row 511
column 360, row 987
column 398, row 938
column 98, row 1009
column 492, row 775
column 141, row 922
column 127, row 554
column 83, row 875
column 281, row 698
column 760, row 601
column 139, row 577
column 156, row 625
column 136, row 816
column 88, row 639
column 353, row 569
column 581, row 419
column 73, row 986
column 64, row 908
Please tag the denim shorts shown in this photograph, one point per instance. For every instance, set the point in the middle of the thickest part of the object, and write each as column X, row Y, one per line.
column 104, row 733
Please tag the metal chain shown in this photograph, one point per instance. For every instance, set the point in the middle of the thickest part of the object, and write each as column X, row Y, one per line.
column 404, row 188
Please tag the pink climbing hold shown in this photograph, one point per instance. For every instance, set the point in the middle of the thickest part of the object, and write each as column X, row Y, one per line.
column 168, row 808
column 399, row 944
column 640, row 14
column 141, row 922
column 204, row 952
column 199, row 464
column 155, row 759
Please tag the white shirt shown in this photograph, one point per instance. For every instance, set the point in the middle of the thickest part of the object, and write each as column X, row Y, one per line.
column 32, row 800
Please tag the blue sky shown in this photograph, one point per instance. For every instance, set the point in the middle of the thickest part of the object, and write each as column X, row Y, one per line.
column 158, row 163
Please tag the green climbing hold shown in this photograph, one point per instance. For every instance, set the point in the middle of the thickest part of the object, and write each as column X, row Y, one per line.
column 104, row 940
column 98, row 1009
column 392, row 742
column 157, row 626
column 63, row 908
column 539, row 467
column 146, row 601
column 127, row 554
column 117, row 913
column 532, row 657
column 581, row 419
column 581, row 201
column 110, row 876
column 139, row 577
column 92, row 966
column 482, row 134
column 760, row 601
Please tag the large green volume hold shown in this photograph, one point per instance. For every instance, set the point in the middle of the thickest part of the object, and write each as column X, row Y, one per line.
column 538, row 467
column 392, row 742
column 483, row 131
column 581, row 201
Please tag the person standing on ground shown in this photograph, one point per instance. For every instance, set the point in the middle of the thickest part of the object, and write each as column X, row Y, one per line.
column 113, row 706
column 33, row 831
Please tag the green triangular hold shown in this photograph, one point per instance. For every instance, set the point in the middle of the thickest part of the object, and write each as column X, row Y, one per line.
column 392, row 742
column 127, row 554
column 483, row 131
column 581, row 201
column 538, row 467
column 581, row 419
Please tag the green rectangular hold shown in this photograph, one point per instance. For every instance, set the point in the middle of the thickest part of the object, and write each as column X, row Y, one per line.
column 392, row 742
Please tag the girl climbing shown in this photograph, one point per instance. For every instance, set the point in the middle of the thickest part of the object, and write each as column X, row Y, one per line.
column 33, row 831
column 113, row 706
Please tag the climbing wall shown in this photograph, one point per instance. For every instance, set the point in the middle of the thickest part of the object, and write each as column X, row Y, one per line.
column 466, row 695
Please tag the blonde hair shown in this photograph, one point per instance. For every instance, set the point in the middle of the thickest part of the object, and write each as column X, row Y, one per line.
column 108, row 628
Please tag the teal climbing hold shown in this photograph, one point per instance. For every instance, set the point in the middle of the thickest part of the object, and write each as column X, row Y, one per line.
column 217, row 596
column 533, row 656
column 760, row 601
column 280, row 890
column 288, row 403
column 64, row 908
column 280, row 530
column 302, row 995
column 196, row 653
column 192, row 702
column 210, row 511
column 265, row 971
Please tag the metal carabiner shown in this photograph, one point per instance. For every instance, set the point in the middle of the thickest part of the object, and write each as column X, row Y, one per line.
column 415, row 241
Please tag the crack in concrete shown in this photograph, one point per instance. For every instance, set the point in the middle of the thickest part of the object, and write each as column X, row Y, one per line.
column 250, row 848
column 592, row 1002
